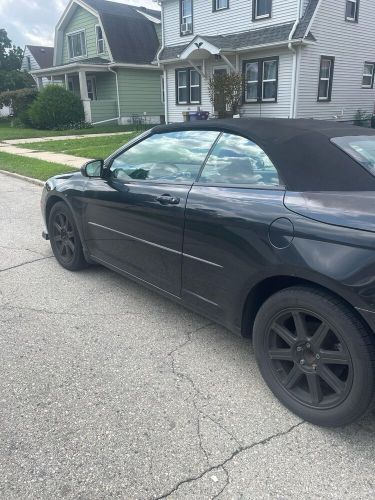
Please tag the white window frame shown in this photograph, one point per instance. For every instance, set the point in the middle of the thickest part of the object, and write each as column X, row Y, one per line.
column 356, row 5
column 162, row 89
column 28, row 61
column 217, row 6
column 73, row 33
column 328, row 79
column 98, row 40
column 71, row 83
column 270, row 99
column 251, row 81
column 372, row 74
column 186, row 19
column 186, row 86
column 262, row 16
column 92, row 79
column 260, row 80
column 196, row 86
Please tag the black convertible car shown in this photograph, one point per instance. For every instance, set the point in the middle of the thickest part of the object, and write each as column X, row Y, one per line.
column 265, row 226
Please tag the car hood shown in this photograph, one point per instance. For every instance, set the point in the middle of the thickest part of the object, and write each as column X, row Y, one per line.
column 354, row 210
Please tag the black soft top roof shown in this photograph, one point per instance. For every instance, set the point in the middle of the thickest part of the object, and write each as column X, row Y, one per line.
column 301, row 150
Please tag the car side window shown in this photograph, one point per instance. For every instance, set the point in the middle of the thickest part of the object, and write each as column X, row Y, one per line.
column 236, row 160
column 172, row 157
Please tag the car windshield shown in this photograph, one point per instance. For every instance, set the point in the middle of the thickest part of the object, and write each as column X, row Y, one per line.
column 361, row 148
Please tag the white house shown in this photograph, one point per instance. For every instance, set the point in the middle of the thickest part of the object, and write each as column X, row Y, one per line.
column 300, row 58
column 37, row 57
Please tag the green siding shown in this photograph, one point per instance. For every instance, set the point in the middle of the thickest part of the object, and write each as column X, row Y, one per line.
column 83, row 20
column 105, row 85
column 103, row 110
column 139, row 91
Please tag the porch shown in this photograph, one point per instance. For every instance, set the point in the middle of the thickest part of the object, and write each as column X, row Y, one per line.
column 95, row 85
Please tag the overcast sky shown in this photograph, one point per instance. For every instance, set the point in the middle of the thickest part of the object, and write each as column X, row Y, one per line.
column 33, row 22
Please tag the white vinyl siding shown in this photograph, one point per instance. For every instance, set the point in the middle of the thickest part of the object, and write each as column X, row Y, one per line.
column 239, row 17
column 351, row 44
column 279, row 109
column 33, row 63
column 368, row 75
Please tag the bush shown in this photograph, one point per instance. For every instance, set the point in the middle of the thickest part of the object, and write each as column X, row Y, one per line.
column 20, row 102
column 56, row 108
column 362, row 118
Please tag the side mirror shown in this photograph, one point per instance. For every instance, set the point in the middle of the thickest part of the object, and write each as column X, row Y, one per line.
column 93, row 168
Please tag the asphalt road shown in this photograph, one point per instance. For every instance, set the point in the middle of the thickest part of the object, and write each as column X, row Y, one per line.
column 108, row 390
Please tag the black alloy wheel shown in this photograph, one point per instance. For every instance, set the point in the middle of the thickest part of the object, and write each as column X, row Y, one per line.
column 64, row 237
column 316, row 355
column 309, row 358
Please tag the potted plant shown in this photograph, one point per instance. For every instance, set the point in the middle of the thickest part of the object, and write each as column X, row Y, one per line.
column 225, row 92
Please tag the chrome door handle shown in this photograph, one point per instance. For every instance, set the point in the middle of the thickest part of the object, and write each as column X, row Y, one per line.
column 167, row 199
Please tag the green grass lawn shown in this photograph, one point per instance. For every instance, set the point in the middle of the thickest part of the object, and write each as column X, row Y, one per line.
column 8, row 132
column 31, row 167
column 92, row 147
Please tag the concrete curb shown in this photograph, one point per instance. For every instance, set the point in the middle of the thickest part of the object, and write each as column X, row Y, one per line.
column 37, row 182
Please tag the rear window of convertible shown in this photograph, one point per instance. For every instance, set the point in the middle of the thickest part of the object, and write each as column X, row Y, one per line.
column 361, row 148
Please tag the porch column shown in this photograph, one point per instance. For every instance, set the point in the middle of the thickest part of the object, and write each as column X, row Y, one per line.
column 84, row 96
column 52, row 79
column 39, row 82
column 66, row 81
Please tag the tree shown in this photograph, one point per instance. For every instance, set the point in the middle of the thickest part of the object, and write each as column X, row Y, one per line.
column 230, row 88
column 11, row 76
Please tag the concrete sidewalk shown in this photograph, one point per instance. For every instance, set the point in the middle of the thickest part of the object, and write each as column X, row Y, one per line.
column 70, row 161
column 61, row 138
column 10, row 146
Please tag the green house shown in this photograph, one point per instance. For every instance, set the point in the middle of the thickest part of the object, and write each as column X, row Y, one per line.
column 103, row 53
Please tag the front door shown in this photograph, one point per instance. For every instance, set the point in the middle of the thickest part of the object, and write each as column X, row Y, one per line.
column 134, row 218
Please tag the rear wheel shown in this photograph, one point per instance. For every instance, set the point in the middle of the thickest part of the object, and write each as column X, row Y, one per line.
column 315, row 355
column 64, row 237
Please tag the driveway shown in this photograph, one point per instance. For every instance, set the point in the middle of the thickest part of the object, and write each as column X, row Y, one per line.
column 108, row 390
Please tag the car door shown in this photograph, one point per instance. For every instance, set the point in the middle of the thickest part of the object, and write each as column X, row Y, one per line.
column 134, row 216
column 229, row 213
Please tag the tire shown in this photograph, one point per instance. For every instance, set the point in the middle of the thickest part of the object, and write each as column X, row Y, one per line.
column 64, row 238
column 316, row 355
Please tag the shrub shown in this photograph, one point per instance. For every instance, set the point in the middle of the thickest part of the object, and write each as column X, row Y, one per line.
column 20, row 101
column 56, row 108
column 225, row 91
column 362, row 118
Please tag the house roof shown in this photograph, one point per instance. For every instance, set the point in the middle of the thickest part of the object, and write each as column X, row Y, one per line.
column 131, row 36
column 42, row 55
column 262, row 36
column 306, row 19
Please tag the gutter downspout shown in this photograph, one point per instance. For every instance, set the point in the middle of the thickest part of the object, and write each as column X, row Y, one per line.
column 118, row 94
column 165, row 74
column 293, row 92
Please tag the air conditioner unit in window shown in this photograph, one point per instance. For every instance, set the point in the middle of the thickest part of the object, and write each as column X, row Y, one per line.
column 186, row 28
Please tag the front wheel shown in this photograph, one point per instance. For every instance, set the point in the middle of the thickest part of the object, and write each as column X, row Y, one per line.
column 64, row 237
column 316, row 356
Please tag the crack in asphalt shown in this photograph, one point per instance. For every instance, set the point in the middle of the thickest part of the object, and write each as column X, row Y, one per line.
column 227, row 479
column 5, row 247
column 240, row 448
column 25, row 263
column 67, row 313
column 221, row 465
